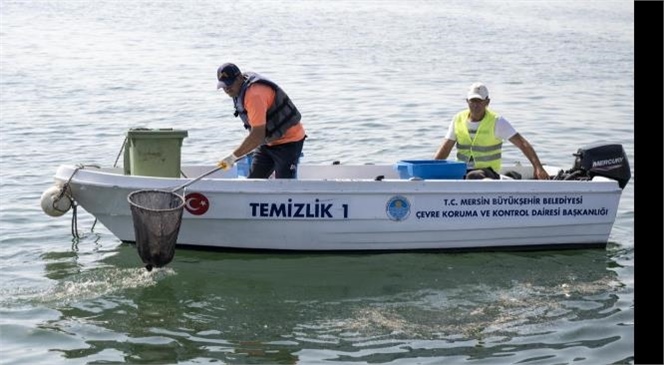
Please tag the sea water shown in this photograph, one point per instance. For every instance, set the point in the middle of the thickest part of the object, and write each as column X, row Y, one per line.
column 376, row 82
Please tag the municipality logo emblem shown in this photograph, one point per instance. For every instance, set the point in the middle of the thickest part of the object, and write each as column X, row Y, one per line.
column 397, row 208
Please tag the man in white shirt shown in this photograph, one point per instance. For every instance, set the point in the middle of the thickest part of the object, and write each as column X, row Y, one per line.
column 478, row 133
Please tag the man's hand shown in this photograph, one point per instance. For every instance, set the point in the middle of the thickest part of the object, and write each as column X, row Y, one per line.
column 541, row 174
column 227, row 162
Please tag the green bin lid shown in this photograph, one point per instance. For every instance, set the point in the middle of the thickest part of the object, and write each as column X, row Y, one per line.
column 156, row 133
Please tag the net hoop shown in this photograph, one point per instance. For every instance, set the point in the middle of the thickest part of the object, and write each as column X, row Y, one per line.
column 135, row 195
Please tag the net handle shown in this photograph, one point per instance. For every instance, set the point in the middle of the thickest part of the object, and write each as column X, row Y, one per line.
column 196, row 179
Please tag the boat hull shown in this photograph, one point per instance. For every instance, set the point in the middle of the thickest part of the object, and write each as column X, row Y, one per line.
column 361, row 208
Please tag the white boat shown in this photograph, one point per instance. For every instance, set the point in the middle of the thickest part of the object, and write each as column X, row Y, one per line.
column 369, row 207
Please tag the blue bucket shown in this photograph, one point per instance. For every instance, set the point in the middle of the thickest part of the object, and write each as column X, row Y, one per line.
column 244, row 165
column 431, row 169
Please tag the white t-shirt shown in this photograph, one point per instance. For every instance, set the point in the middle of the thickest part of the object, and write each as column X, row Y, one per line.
column 503, row 130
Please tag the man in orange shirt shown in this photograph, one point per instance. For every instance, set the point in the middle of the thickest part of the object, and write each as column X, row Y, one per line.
column 275, row 133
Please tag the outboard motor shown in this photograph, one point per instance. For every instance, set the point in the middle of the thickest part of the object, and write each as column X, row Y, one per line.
column 608, row 160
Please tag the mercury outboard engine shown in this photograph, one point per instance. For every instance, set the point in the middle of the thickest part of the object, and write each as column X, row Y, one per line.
column 608, row 160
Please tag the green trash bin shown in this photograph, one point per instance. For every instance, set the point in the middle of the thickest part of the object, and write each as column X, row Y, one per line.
column 153, row 152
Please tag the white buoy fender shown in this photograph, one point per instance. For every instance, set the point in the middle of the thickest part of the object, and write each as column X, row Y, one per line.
column 54, row 203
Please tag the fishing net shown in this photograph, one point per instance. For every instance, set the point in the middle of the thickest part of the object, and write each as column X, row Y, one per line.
column 157, row 216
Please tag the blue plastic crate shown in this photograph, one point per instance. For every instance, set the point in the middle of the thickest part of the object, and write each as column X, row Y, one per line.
column 431, row 169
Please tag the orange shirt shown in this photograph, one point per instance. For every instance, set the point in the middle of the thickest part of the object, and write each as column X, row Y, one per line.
column 257, row 100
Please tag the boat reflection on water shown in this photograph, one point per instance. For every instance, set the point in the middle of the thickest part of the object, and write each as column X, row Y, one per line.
column 280, row 307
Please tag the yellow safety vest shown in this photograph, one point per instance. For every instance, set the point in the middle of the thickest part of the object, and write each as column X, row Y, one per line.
column 485, row 149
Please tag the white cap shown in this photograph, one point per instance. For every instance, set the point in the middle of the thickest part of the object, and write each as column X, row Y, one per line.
column 478, row 91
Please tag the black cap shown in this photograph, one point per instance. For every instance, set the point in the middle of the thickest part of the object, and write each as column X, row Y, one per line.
column 226, row 74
